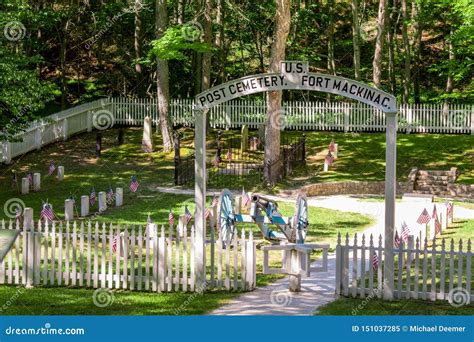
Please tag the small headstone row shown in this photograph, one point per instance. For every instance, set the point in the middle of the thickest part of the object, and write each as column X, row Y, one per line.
column 33, row 181
column 85, row 204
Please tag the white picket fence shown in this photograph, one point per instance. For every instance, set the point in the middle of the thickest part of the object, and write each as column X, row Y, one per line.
column 159, row 260
column 421, row 271
column 297, row 115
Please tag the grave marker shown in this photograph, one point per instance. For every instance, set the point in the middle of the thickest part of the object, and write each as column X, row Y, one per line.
column 147, row 141
column 60, row 175
column 69, row 209
column 118, row 197
column 84, row 205
column 102, row 201
column 25, row 186
column 36, row 181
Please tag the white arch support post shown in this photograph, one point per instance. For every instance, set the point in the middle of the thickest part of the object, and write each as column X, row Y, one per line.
column 296, row 76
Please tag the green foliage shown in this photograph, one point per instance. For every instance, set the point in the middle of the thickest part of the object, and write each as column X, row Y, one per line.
column 176, row 41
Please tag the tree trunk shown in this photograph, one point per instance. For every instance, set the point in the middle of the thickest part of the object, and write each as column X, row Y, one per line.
column 378, row 54
column 417, row 34
column 391, row 35
column 449, row 80
column 272, row 166
column 356, row 38
column 180, row 16
column 219, row 41
column 331, row 62
column 207, row 37
column 163, row 79
column 406, row 48
column 138, row 48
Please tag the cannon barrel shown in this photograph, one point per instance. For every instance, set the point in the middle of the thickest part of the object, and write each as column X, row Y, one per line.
column 262, row 201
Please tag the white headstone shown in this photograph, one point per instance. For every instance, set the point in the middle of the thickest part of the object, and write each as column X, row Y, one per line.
column 102, row 201
column 245, row 138
column 326, row 167
column 69, row 209
column 25, row 186
column 84, row 205
column 60, row 175
column 36, row 181
column 147, row 141
column 118, row 197
column 336, row 151
column 28, row 218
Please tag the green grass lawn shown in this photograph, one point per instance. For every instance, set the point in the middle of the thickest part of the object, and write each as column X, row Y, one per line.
column 358, row 306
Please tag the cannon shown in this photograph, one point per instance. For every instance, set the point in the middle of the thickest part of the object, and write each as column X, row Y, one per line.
column 264, row 212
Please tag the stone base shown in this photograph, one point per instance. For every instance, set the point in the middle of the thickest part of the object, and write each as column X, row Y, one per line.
column 147, row 146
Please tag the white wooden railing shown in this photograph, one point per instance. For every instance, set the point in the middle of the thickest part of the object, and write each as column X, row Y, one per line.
column 159, row 260
column 421, row 271
column 297, row 115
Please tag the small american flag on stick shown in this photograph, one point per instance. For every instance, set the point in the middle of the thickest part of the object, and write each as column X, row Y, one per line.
column 51, row 168
column 424, row 217
column 114, row 244
column 396, row 241
column 214, row 202
column 449, row 209
column 329, row 159
column 92, row 197
column 216, row 161
column 30, row 178
column 47, row 213
column 187, row 215
column 332, row 146
column 435, row 212
column 207, row 213
column 245, row 199
column 134, row 184
column 405, row 231
column 171, row 218
column 437, row 226
column 229, row 154
column 18, row 217
column 375, row 261
column 110, row 194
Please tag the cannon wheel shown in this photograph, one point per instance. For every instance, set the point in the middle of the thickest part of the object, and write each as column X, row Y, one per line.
column 300, row 220
column 225, row 216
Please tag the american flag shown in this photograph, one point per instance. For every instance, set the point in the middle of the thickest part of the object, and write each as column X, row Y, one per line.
column 332, row 146
column 375, row 261
column 435, row 212
column 30, row 178
column 92, row 197
column 134, row 184
column 187, row 215
column 396, row 241
column 229, row 154
column 207, row 213
column 47, row 213
column 245, row 198
column 214, row 201
column 437, row 226
column 114, row 244
column 171, row 218
column 216, row 161
column 329, row 160
column 449, row 207
column 405, row 231
column 424, row 217
column 51, row 168
column 18, row 216
column 110, row 194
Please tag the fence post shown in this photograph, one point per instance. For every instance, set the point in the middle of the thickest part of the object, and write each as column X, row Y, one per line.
column 346, row 119
column 7, row 152
column 38, row 137
column 89, row 121
column 65, row 129
column 177, row 158
column 472, row 120
column 338, row 264
column 28, row 230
